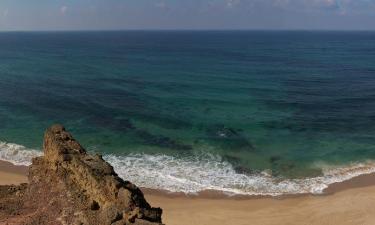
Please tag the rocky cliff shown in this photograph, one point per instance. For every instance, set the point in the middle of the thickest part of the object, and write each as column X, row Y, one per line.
column 68, row 186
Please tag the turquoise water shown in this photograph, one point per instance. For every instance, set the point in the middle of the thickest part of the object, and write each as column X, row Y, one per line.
column 240, row 111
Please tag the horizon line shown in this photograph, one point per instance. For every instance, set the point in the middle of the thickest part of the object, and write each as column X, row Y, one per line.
column 182, row 29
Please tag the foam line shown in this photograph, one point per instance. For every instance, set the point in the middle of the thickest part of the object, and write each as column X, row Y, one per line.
column 206, row 172
column 17, row 154
column 203, row 172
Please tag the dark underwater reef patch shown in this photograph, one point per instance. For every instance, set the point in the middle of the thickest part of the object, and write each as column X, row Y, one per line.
column 228, row 138
column 116, row 124
column 125, row 125
column 161, row 141
column 238, row 166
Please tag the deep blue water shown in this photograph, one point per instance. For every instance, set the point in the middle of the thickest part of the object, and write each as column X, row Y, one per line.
column 288, row 103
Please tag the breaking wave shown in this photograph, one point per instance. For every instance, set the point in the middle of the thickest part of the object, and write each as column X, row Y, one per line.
column 17, row 154
column 196, row 174
column 204, row 172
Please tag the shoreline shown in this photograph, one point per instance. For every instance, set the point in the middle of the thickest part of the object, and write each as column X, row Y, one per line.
column 11, row 174
column 346, row 203
column 15, row 174
column 259, row 185
column 361, row 181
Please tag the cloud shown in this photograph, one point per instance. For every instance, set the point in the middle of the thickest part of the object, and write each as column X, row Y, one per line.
column 305, row 5
column 232, row 3
column 327, row 4
column 340, row 6
column 281, row 3
column 190, row 14
column 5, row 13
column 161, row 4
column 63, row 10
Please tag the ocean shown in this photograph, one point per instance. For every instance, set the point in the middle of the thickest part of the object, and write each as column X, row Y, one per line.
column 242, row 112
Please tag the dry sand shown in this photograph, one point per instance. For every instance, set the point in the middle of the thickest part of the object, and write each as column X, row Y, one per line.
column 354, row 207
column 10, row 174
column 349, row 203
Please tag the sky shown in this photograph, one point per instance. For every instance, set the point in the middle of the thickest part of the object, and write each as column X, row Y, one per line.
column 187, row 14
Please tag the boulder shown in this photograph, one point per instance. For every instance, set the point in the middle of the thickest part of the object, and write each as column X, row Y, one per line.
column 70, row 186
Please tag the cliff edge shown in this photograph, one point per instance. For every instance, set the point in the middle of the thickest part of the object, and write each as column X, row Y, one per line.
column 68, row 186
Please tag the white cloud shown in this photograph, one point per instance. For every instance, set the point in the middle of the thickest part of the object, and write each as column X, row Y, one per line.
column 63, row 9
column 232, row 3
column 339, row 6
column 281, row 3
column 5, row 13
column 161, row 4
column 327, row 3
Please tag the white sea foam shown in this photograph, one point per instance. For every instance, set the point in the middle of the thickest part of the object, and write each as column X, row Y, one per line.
column 17, row 154
column 204, row 172
column 195, row 174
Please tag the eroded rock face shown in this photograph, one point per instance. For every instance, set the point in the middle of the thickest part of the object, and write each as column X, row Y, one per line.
column 69, row 186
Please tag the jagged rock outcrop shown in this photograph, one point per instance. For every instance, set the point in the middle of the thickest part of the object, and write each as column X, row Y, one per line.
column 68, row 186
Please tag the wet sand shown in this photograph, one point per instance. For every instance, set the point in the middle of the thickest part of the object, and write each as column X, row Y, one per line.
column 348, row 203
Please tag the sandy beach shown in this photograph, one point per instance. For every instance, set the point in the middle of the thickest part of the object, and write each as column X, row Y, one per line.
column 11, row 174
column 349, row 207
column 348, row 203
